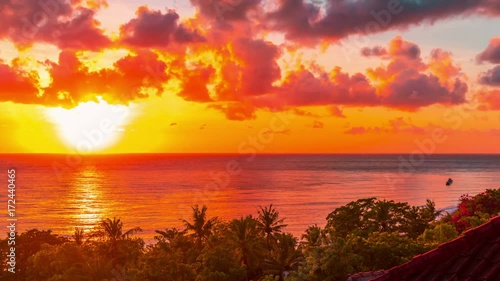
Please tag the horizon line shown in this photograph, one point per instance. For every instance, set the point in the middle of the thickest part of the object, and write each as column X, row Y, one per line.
column 243, row 154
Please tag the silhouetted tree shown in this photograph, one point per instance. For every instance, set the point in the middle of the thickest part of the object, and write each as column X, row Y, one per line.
column 313, row 236
column 283, row 255
column 200, row 226
column 27, row 244
column 245, row 237
column 78, row 236
column 120, row 246
column 269, row 222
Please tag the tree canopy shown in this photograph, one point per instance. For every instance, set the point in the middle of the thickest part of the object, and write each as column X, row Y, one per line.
column 364, row 235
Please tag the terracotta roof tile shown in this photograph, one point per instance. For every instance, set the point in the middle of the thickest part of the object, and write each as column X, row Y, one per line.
column 473, row 256
column 492, row 272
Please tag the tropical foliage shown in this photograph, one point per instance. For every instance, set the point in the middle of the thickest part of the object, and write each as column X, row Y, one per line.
column 363, row 235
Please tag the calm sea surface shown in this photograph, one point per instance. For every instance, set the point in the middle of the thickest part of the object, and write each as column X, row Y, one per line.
column 156, row 191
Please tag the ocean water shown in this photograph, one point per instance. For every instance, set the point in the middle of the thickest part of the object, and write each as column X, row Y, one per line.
column 156, row 191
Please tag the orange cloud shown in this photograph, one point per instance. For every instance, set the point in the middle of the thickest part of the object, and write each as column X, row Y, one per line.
column 236, row 71
column 441, row 64
column 16, row 85
column 131, row 78
column 194, row 84
column 397, row 125
column 236, row 110
column 406, row 82
column 336, row 111
column 318, row 124
column 304, row 113
column 224, row 64
column 489, row 100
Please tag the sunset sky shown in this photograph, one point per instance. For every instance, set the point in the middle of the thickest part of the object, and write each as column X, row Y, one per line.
column 238, row 76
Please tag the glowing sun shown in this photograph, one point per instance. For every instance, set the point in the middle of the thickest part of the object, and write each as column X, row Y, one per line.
column 90, row 126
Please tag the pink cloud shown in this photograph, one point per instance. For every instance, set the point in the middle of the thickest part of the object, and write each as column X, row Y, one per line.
column 155, row 29
column 492, row 52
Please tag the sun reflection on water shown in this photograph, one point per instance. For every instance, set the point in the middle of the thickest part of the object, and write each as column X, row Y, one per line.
column 88, row 199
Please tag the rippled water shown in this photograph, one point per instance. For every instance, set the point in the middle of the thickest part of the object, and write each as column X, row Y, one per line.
column 156, row 191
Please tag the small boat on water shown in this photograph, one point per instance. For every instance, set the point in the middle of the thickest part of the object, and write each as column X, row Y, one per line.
column 449, row 182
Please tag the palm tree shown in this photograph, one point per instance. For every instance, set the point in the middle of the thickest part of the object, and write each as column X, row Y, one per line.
column 245, row 236
column 112, row 230
column 169, row 234
column 382, row 215
column 283, row 255
column 313, row 236
column 78, row 236
column 201, row 227
column 269, row 222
